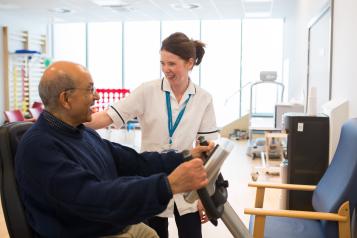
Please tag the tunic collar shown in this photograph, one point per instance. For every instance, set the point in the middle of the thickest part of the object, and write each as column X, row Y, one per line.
column 165, row 86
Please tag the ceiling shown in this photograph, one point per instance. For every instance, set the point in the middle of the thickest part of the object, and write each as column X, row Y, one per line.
column 137, row 10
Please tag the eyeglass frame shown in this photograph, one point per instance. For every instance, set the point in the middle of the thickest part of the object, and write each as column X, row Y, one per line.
column 92, row 89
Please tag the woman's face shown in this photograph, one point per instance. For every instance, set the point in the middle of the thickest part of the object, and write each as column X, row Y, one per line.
column 175, row 69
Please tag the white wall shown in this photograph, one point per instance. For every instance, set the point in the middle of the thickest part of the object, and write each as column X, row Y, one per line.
column 344, row 49
column 295, row 48
column 16, row 24
column 2, row 83
column 344, row 66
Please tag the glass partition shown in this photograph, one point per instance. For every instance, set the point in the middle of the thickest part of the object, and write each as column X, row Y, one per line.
column 262, row 50
column 220, row 70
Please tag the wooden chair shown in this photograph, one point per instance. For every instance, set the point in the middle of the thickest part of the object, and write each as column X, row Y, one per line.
column 334, row 199
column 37, row 105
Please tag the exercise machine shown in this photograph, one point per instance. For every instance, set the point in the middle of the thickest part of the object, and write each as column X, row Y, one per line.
column 214, row 196
column 260, row 122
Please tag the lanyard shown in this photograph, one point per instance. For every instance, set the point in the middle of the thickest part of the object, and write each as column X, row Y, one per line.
column 172, row 127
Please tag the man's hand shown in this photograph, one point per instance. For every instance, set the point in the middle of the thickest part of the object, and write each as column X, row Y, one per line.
column 188, row 176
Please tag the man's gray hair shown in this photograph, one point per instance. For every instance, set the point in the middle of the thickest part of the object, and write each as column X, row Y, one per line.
column 49, row 89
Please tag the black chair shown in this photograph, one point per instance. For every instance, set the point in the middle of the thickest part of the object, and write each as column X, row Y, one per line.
column 10, row 135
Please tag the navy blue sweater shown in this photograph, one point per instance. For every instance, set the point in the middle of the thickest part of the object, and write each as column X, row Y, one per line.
column 75, row 184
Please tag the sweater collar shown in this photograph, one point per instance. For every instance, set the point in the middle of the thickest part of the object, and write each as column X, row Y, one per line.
column 61, row 125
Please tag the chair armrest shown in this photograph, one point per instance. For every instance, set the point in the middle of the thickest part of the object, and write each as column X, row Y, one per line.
column 342, row 217
column 30, row 119
column 296, row 214
column 259, row 197
column 283, row 186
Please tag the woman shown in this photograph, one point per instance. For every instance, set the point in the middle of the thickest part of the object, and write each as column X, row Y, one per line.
column 172, row 112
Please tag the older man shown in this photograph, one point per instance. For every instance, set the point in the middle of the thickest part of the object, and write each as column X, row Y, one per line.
column 75, row 184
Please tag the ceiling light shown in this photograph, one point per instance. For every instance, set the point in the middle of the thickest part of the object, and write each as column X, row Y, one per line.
column 116, row 5
column 126, row 8
column 188, row 6
column 61, row 10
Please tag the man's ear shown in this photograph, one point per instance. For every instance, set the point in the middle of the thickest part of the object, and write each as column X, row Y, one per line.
column 63, row 100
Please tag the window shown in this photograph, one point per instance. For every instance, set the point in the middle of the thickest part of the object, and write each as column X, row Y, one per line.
column 105, row 54
column 128, row 54
column 69, row 42
column 141, row 52
column 262, row 50
column 220, row 71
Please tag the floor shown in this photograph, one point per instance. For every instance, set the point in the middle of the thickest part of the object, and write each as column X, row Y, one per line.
column 237, row 170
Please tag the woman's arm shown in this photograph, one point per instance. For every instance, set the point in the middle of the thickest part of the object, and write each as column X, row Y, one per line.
column 99, row 120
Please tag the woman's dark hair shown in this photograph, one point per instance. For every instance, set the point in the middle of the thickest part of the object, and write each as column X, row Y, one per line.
column 180, row 45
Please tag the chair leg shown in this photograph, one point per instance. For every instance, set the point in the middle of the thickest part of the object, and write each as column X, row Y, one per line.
column 259, row 197
column 259, row 224
column 344, row 229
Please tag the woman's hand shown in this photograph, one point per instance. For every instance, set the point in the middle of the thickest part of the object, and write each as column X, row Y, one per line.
column 202, row 212
column 198, row 151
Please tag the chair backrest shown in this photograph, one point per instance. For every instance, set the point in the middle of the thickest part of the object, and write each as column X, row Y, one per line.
column 35, row 112
column 14, row 115
column 339, row 183
column 10, row 135
column 37, row 105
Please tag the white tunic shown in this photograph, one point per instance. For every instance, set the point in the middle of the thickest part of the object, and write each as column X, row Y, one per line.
column 148, row 103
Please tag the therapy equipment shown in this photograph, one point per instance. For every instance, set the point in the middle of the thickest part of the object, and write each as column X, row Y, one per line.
column 214, row 196
column 259, row 122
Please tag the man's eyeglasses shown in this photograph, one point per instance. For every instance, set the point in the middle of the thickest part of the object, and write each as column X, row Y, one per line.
column 92, row 89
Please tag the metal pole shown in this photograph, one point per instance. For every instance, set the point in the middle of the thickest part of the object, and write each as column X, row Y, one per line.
column 234, row 223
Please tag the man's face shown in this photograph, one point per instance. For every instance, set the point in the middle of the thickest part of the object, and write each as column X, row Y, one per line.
column 81, row 98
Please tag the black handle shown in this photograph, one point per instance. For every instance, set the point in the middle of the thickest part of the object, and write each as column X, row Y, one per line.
column 214, row 204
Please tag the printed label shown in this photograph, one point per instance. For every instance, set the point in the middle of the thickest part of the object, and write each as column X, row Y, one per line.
column 300, row 127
